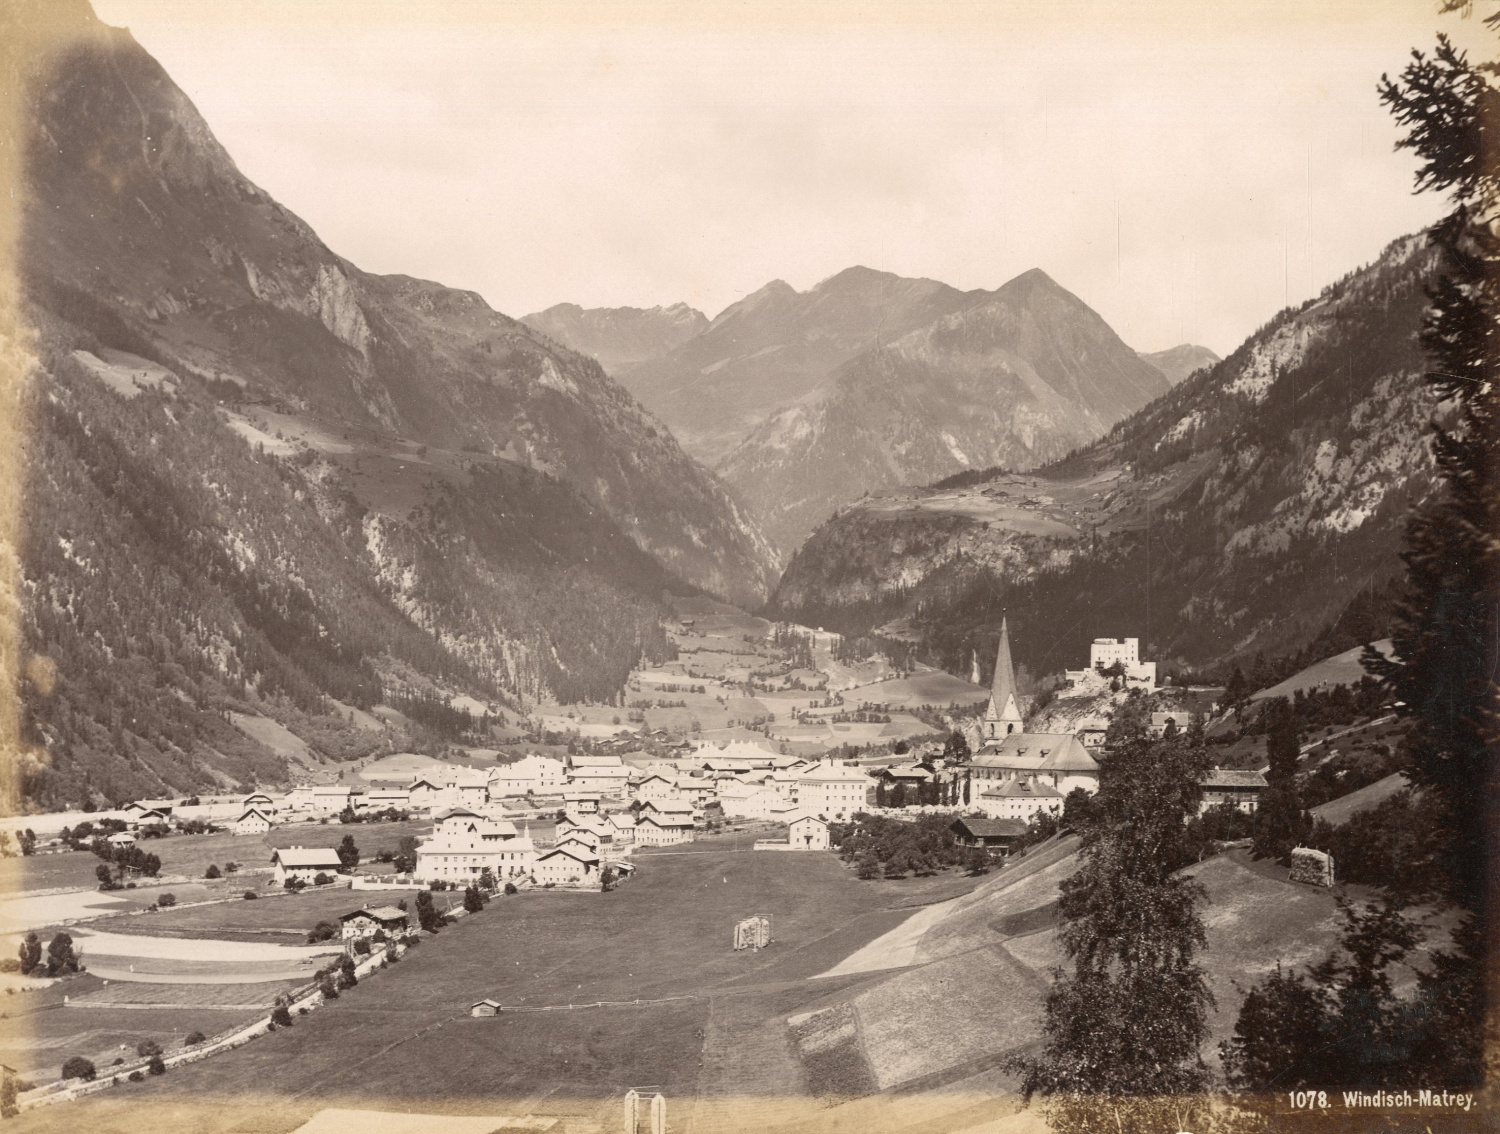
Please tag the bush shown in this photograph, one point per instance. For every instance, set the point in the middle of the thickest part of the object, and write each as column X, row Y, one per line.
column 194, row 1038
column 251, row 895
column 328, row 990
column 323, row 931
column 78, row 1067
column 148, row 1049
column 212, row 872
column 510, row 888
column 281, row 1017
column 9, row 965
column 156, row 1066
column 166, row 901
column 321, row 879
column 362, row 947
column 136, row 1077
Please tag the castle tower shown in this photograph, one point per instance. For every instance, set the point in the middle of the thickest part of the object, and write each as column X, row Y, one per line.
column 1003, row 716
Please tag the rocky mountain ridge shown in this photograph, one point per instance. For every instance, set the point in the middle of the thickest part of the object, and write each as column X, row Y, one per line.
column 1016, row 377
column 1249, row 509
column 619, row 337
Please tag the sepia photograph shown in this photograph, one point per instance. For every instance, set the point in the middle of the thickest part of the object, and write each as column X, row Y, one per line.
column 728, row 566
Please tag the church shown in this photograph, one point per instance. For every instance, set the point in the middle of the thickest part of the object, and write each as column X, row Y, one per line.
column 1016, row 771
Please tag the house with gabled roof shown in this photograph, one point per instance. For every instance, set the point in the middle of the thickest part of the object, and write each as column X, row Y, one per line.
column 1019, row 798
column 567, row 865
column 252, row 821
column 365, row 923
column 304, row 863
column 1240, row 789
column 465, row 843
column 985, row 833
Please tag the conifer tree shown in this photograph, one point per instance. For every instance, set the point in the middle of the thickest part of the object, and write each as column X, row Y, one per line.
column 1279, row 820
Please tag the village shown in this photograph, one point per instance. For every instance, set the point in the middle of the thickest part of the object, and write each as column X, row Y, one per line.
column 354, row 871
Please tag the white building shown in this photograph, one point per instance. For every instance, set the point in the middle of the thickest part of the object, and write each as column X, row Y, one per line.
column 622, row 824
column 748, row 801
column 384, row 799
column 364, row 924
column 329, row 799
column 807, row 832
column 607, row 775
column 1019, row 799
column 1056, row 759
column 304, row 863
column 566, row 865
column 1105, row 653
column 252, row 821
column 833, row 790
column 260, row 801
column 657, row 788
column 465, row 843
column 660, row 825
column 746, row 754
column 530, row 775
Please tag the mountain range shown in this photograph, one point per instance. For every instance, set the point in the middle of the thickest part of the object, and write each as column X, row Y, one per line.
column 804, row 401
column 263, row 480
column 619, row 337
column 1257, row 507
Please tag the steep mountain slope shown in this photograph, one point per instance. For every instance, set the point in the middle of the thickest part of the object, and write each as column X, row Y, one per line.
column 260, row 481
column 775, row 345
column 619, row 337
column 1179, row 362
column 139, row 209
column 1245, row 511
column 1018, row 377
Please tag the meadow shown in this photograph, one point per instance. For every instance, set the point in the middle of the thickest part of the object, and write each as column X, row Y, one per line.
column 662, row 938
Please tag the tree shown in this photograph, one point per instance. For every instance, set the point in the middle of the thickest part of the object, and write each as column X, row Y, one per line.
column 156, row 1066
column 147, row 1048
column 977, row 861
column 405, row 860
column 281, row 1016
column 427, row 916
column 60, row 955
column 473, row 900
column 77, row 1067
column 323, row 931
column 608, row 877
column 348, row 853
column 166, row 901
column 956, row 747
column 212, row 872
column 1279, row 822
column 105, row 875
column 28, row 842
column 31, row 953
column 487, row 881
column 1124, row 1028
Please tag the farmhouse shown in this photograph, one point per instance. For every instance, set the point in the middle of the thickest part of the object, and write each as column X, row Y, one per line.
column 985, row 833
column 567, row 864
column 252, row 821
column 148, row 818
column 530, row 775
column 304, row 863
column 465, row 843
column 260, row 801
column 1241, row 790
column 832, row 790
column 484, row 1008
column 364, row 924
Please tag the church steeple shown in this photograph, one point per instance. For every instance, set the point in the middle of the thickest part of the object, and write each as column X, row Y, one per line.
column 1003, row 716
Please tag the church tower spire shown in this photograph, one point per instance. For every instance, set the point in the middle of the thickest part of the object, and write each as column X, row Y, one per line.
column 1003, row 716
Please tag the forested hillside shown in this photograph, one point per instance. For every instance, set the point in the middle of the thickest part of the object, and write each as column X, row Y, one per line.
column 1245, row 511
column 260, row 481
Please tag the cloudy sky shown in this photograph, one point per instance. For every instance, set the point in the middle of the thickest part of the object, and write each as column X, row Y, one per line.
column 1184, row 166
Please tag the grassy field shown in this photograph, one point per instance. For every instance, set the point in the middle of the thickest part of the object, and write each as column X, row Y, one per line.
column 276, row 915
column 664, row 936
column 189, row 856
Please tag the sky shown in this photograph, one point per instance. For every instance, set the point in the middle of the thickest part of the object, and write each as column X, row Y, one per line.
column 1185, row 168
